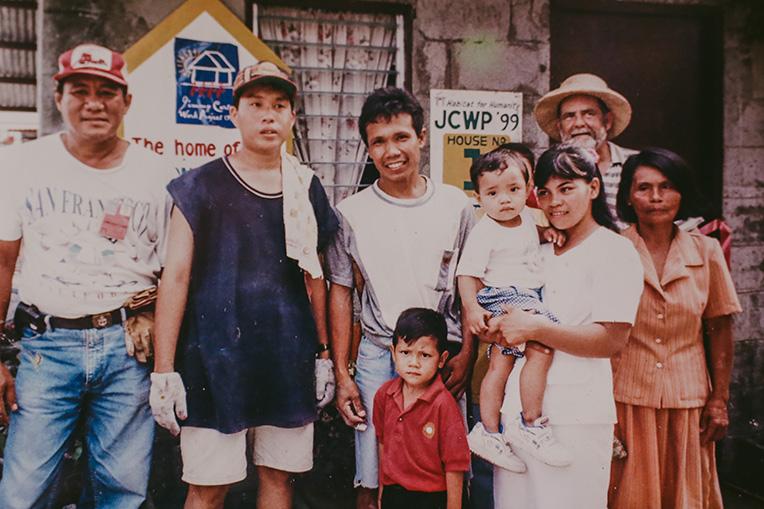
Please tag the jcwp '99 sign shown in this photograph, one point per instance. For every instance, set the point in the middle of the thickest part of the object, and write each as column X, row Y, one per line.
column 467, row 123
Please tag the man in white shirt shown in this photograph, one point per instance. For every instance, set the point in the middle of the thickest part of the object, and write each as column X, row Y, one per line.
column 92, row 212
column 398, row 244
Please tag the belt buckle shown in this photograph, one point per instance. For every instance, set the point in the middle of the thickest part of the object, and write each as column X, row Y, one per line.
column 101, row 320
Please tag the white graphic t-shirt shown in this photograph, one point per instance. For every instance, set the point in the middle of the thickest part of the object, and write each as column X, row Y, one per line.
column 72, row 266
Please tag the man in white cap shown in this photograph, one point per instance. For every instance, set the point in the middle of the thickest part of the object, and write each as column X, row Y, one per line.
column 92, row 212
column 586, row 112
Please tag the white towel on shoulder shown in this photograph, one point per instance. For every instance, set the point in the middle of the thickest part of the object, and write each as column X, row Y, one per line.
column 300, row 224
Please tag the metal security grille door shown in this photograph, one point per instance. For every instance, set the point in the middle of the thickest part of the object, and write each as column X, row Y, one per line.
column 17, row 55
column 18, row 100
column 337, row 59
column 666, row 60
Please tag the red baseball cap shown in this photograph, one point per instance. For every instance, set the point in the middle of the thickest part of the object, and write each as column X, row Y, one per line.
column 265, row 73
column 93, row 60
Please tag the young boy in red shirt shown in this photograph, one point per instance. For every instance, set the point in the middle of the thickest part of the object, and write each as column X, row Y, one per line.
column 423, row 450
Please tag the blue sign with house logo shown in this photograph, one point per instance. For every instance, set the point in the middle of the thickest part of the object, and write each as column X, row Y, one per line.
column 204, row 75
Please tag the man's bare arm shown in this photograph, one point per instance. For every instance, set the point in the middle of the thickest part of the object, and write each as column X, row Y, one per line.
column 173, row 292
column 340, row 324
column 9, row 253
column 318, row 305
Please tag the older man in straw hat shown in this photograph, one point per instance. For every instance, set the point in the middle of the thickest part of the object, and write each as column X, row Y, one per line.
column 586, row 112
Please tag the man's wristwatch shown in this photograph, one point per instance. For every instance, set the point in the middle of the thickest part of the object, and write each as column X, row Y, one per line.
column 322, row 347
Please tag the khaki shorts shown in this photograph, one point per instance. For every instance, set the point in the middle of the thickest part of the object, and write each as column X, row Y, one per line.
column 212, row 458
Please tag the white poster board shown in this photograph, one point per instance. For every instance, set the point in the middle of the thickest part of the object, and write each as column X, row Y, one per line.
column 467, row 123
column 181, row 76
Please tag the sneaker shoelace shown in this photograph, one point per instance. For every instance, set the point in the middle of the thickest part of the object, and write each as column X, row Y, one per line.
column 498, row 446
column 542, row 435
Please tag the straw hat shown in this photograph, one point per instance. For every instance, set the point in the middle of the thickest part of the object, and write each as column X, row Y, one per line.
column 546, row 109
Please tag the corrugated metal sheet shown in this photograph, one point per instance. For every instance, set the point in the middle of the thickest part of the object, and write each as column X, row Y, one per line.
column 337, row 59
column 18, row 36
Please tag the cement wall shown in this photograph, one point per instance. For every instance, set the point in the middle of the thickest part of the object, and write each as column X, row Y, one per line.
column 742, row 453
column 485, row 45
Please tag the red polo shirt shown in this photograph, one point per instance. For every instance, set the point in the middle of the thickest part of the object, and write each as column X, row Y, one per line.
column 424, row 441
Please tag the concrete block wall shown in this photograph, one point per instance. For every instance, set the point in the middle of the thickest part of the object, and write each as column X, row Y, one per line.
column 742, row 453
column 485, row 45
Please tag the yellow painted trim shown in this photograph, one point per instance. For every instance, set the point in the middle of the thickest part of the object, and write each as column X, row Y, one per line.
column 242, row 34
column 181, row 17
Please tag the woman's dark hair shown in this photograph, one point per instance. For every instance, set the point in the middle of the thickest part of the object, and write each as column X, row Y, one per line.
column 415, row 323
column 572, row 162
column 385, row 103
column 674, row 168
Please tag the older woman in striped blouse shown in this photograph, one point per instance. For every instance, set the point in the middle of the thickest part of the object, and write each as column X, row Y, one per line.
column 672, row 379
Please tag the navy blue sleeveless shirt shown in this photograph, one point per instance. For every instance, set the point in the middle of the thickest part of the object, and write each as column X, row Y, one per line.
column 247, row 346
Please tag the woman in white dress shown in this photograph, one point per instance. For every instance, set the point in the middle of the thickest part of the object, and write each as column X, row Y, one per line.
column 593, row 285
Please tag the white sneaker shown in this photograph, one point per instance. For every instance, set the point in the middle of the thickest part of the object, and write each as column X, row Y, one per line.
column 492, row 448
column 538, row 441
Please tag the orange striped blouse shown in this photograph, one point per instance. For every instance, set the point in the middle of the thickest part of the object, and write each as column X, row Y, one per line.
column 663, row 364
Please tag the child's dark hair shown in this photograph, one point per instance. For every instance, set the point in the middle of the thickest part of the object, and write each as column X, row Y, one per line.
column 674, row 168
column 569, row 162
column 415, row 323
column 500, row 158
column 385, row 103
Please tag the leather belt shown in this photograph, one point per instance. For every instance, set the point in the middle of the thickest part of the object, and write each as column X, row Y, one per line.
column 97, row 321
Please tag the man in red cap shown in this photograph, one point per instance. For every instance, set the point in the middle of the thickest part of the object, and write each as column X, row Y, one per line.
column 92, row 212
column 240, row 344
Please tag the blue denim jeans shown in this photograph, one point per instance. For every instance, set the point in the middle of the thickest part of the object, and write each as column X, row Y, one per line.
column 481, row 485
column 374, row 367
column 65, row 376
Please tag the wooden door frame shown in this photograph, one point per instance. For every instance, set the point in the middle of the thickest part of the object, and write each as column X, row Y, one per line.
column 711, row 17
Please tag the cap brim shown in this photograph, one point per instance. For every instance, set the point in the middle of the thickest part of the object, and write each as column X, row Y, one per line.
column 545, row 110
column 274, row 81
column 90, row 72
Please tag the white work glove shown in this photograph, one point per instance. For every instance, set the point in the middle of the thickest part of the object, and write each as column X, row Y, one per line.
column 168, row 399
column 324, row 382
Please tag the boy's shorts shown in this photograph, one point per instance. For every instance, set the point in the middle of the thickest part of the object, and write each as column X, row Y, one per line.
column 212, row 458
column 512, row 351
column 529, row 299
column 398, row 497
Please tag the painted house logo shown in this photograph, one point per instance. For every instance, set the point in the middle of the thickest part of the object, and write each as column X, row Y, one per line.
column 211, row 69
column 204, row 75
